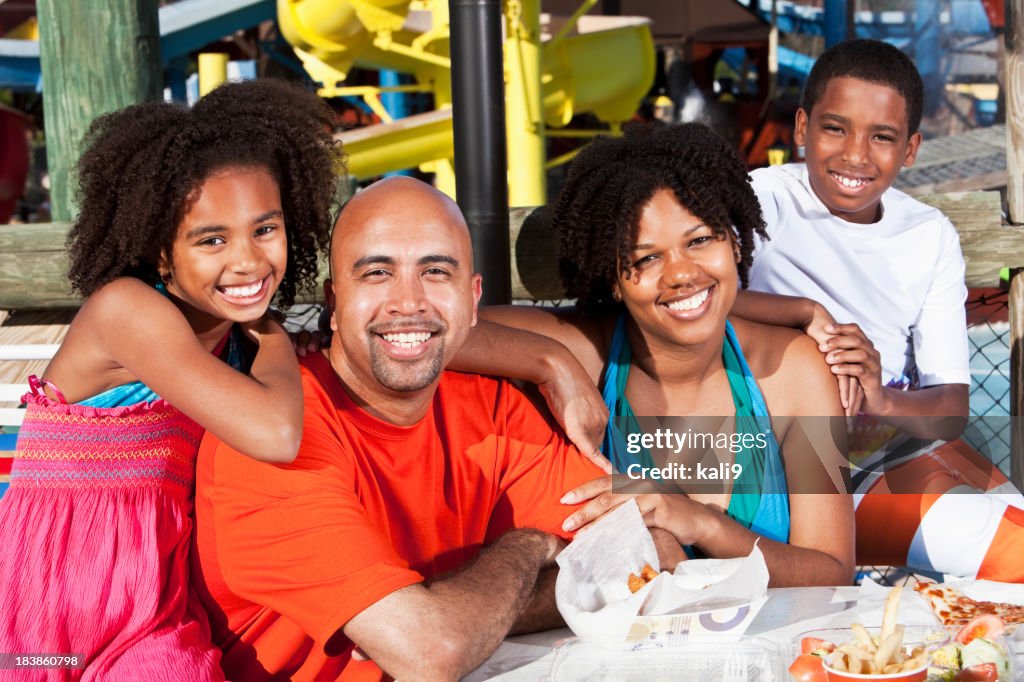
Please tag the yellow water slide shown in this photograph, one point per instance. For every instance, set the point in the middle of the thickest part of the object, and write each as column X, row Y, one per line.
column 555, row 68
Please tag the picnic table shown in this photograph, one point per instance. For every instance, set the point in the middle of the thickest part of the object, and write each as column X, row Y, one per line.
column 788, row 612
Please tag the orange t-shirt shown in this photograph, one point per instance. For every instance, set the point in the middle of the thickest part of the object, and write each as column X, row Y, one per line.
column 287, row 554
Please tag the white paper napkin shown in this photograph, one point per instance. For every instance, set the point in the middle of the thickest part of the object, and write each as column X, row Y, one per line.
column 913, row 609
column 592, row 591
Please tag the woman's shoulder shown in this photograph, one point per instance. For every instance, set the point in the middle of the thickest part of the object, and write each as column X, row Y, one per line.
column 787, row 365
column 769, row 347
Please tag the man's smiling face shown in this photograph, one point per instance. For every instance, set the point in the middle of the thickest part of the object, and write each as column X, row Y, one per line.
column 404, row 289
column 856, row 141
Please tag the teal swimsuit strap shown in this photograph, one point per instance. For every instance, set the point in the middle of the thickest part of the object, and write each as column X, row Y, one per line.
column 746, row 494
column 622, row 419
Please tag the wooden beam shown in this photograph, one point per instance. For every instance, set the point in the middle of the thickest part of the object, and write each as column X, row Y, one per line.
column 1013, row 60
column 32, row 261
column 96, row 57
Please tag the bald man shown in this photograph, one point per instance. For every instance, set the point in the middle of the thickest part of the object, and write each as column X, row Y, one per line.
column 424, row 504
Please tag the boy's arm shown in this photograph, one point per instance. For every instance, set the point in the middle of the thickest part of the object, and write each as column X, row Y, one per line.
column 800, row 313
column 934, row 412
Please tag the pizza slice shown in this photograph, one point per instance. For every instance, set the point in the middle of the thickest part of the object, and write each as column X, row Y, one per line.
column 955, row 609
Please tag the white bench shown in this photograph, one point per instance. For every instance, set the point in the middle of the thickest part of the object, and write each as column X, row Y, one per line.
column 10, row 395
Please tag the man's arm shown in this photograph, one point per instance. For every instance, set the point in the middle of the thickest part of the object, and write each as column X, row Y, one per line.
column 934, row 412
column 540, row 613
column 445, row 630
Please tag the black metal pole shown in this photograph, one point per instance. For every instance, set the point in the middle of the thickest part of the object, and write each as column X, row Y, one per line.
column 478, row 118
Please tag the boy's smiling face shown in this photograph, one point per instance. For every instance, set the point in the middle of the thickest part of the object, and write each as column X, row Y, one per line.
column 856, row 140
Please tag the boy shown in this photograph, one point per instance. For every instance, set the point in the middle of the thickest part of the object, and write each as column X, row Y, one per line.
column 890, row 269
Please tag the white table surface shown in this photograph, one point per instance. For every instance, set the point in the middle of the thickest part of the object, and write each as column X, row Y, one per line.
column 788, row 612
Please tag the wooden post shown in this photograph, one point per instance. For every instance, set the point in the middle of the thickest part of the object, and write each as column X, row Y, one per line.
column 1016, row 303
column 1013, row 63
column 96, row 57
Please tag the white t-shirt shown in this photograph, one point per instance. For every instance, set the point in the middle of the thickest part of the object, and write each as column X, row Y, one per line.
column 900, row 276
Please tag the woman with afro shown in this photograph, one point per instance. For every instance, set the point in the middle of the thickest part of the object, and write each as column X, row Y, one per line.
column 191, row 221
column 656, row 233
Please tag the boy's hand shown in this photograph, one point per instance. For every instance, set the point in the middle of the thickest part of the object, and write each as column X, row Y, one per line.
column 851, row 354
column 816, row 327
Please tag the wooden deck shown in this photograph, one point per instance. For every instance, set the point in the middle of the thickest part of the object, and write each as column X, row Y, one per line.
column 29, row 328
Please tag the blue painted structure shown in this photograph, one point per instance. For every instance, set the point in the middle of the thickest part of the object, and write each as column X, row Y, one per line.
column 185, row 27
column 922, row 34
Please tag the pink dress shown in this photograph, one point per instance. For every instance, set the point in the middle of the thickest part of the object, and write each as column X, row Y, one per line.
column 96, row 528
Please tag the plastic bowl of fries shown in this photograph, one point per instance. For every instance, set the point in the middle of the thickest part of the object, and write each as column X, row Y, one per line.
column 866, row 653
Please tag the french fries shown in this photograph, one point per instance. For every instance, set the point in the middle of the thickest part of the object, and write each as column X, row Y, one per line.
column 867, row 655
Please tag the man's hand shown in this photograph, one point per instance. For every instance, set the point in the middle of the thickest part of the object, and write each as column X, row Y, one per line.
column 850, row 353
column 577, row 405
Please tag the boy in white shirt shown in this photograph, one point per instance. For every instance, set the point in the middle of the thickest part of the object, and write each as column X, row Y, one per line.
column 889, row 269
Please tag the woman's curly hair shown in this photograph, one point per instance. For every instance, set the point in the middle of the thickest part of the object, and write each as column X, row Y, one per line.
column 141, row 165
column 598, row 211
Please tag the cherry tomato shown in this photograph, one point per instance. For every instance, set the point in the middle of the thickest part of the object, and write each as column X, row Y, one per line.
column 808, row 668
column 986, row 625
column 811, row 644
column 983, row 672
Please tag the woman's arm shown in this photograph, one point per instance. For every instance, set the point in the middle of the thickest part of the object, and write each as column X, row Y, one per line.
column 813, row 448
column 133, row 327
column 822, row 555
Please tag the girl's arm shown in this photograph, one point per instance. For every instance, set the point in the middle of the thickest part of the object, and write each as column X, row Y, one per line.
column 126, row 324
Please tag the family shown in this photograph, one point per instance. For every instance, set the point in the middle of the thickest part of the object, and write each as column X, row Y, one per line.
column 190, row 501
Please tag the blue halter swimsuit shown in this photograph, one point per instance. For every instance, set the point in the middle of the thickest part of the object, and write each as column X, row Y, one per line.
column 760, row 498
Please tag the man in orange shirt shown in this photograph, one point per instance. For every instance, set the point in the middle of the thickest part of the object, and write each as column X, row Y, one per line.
column 423, row 505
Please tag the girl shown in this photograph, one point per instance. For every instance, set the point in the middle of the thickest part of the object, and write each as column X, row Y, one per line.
column 190, row 221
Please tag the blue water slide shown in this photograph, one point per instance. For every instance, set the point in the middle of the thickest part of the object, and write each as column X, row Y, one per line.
column 185, row 27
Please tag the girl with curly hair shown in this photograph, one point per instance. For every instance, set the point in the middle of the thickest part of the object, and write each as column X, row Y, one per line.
column 656, row 233
column 191, row 220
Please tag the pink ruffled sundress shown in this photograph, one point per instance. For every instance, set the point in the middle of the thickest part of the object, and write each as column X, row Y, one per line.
column 96, row 528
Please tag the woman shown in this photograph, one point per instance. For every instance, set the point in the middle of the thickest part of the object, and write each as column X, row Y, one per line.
column 656, row 234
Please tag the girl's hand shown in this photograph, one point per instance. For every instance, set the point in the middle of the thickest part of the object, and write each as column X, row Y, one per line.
column 306, row 342
column 579, row 409
column 676, row 513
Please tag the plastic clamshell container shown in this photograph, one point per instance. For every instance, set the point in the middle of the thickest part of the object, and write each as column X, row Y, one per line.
column 679, row 659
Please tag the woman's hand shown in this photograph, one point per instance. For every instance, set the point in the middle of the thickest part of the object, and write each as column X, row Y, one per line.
column 687, row 520
column 577, row 405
